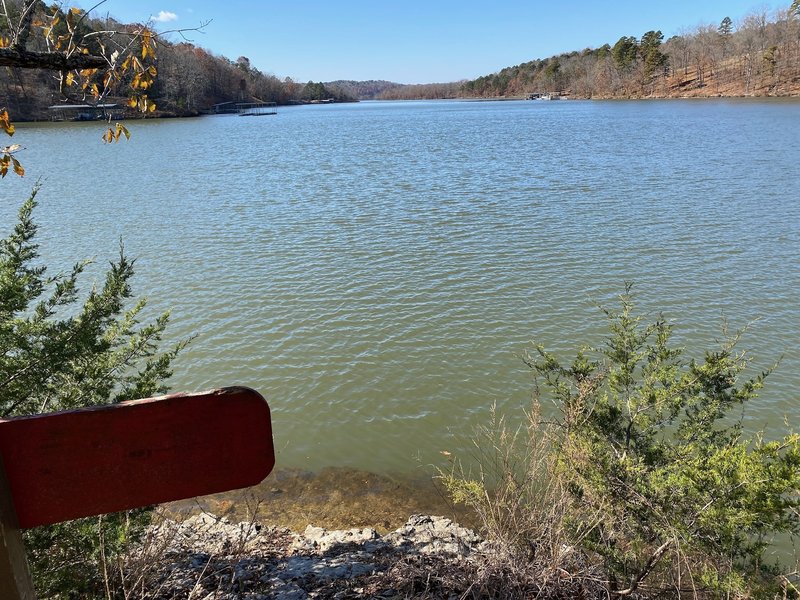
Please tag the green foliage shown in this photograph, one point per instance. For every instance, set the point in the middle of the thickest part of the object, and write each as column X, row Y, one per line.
column 770, row 59
column 625, row 52
column 654, row 456
column 59, row 353
column 603, row 51
column 315, row 91
column 79, row 559
column 553, row 69
column 650, row 50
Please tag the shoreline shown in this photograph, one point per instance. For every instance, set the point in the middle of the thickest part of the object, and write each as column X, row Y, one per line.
column 516, row 98
column 333, row 498
column 209, row 557
column 297, row 536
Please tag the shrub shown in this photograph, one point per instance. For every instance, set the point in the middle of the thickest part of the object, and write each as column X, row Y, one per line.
column 59, row 353
column 666, row 494
column 649, row 441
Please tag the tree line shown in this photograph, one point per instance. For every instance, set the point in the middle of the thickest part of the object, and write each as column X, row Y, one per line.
column 757, row 55
column 388, row 90
column 189, row 79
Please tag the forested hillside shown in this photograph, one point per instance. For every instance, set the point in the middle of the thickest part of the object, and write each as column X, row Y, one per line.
column 387, row 90
column 362, row 90
column 423, row 91
column 757, row 55
column 189, row 78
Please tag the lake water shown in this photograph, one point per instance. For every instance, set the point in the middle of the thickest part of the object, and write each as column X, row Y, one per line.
column 376, row 270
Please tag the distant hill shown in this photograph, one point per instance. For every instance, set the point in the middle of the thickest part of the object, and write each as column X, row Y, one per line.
column 387, row 90
column 363, row 90
column 423, row 91
column 757, row 57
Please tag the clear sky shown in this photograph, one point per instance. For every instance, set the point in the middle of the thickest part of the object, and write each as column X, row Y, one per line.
column 417, row 41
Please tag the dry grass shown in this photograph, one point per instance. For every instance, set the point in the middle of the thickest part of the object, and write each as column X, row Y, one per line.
column 522, row 506
column 143, row 572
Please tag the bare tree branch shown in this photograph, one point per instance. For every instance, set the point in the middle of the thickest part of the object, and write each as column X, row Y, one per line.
column 642, row 575
column 21, row 37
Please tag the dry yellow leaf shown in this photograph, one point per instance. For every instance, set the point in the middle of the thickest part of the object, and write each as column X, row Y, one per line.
column 123, row 130
column 5, row 123
column 18, row 167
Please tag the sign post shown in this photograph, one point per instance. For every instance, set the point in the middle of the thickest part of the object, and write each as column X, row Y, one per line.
column 15, row 579
column 87, row 462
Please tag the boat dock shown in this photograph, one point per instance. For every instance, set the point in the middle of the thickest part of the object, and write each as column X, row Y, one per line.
column 84, row 112
column 257, row 109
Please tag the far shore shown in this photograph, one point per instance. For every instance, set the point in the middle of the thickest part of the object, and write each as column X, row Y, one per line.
column 135, row 116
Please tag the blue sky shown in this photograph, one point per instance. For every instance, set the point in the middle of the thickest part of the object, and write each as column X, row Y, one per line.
column 417, row 41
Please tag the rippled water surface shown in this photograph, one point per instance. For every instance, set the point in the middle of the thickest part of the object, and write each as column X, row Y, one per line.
column 377, row 270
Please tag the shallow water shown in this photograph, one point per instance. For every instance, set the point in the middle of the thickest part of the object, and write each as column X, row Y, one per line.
column 376, row 270
column 334, row 498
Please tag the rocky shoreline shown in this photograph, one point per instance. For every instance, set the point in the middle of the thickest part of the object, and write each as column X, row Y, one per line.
column 208, row 557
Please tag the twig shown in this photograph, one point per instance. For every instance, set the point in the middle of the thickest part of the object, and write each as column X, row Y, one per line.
column 651, row 563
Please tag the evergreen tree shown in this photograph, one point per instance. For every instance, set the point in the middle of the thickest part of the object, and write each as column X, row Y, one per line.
column 60, row 353
column 660, row 469
column 650, row 50
column 725, row 28
column 315, row 91
column 625, row 52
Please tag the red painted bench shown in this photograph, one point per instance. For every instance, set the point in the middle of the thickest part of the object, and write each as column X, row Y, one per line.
column 97, row 460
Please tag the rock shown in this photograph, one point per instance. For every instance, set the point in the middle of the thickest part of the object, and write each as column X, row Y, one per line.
column 317, row 539
column 282, row 590
column 434, row 535
column 211, row 557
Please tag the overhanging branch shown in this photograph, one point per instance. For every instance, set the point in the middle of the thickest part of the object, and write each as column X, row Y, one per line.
column 52, row 61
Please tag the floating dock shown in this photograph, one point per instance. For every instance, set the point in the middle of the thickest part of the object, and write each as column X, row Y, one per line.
column 84, row 112
column 257, row 109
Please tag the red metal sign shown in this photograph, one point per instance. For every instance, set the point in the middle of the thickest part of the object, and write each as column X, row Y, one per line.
column 98, row 460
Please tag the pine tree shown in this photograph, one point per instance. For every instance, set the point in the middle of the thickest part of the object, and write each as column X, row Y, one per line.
column 59, row 353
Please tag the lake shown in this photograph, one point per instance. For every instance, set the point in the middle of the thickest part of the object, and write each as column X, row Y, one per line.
column 376, row 270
